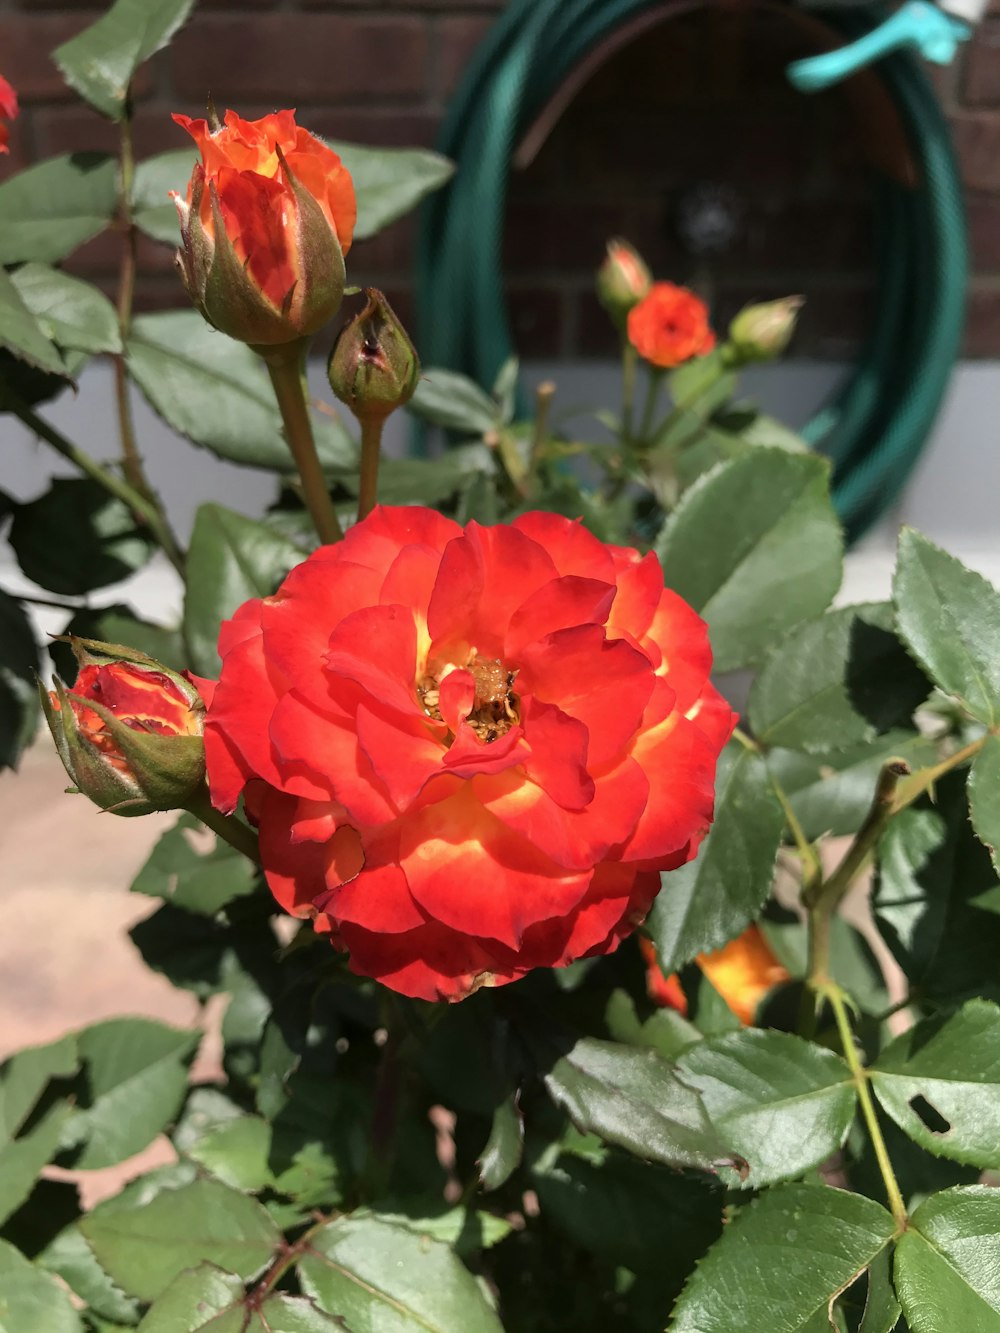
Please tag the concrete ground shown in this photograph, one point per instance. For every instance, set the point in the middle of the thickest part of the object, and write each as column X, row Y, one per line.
column 65, row 912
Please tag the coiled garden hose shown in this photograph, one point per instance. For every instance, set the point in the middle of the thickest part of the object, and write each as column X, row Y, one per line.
column 876, row 423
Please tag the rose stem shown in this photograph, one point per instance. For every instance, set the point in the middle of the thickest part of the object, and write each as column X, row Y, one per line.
column 630, row 360
column 371, row 453
column 656, row 377
column 90, row 467
column 228, row 827
column 132, row 466
column 284, row 365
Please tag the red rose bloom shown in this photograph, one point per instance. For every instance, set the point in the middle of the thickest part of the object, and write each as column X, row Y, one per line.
column 469, row 752
column 129, row 732
column 286, row 205
column 8, row 111
column 669, row 326
column 143, row 700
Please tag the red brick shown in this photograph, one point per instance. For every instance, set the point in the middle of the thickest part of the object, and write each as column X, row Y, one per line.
column 379, row 127
column 537, row 321
column 541, row 234
column 454, row 41
column 983, row 219
column 71, row 129
column 596, row 336
column 314, row 57
column 424, row 6
column 26, row 43
column 982, row 323
column 384, row 258
column 977, row 139
column 981, row 75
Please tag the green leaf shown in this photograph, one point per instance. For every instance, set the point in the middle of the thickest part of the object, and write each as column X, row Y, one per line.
column 784, row 1104
column 237, row 1153
column 153, row 211
column 446, row 398
column 376, row 1275
column 631, row 1096
column 947, row 1267
column 755, row 547
column 76, row 537
column 936, row 898
column 389, row 182
column 100, row 61
column 53, row 207
column 709, row 901
column 782, row 1261
column 230, row 559
column 19, row 666
column 192, row 952
column 836, row 682
column 71, row 312
column 208, row 387
column 940, row 1082
column 629, row 1212
column 22, row 334
column 833, row 794
column 502, row 1155
column 136, row 1075
column 428, row 481
column 664, row 1030
column 118, row 624
column 949, row 618
column 69, row 1256
column 25, row 1076
column 30, row 1300
column 464, row 1228
column 291, row 1314
column 882, row 1310
column 215, row 391
column 196, row 879
column 193, row 1300
column 144, row 1249
column 984, row 797
column 21, row 1161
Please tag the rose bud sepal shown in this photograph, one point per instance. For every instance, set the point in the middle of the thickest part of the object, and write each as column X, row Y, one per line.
column 374, row 367
column 123, row 769
column 221, row 286
column 762, row 332
column 622, row 280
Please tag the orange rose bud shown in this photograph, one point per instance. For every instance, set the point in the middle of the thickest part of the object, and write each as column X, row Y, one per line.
column 670, row 326
column 8, row 111
column 762, row 332
column 622, row 280
column 374, row 368
column 268, row 218
column 129, row 732
column 742, row 971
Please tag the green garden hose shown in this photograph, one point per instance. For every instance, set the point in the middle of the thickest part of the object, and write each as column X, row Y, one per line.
column 875, row 425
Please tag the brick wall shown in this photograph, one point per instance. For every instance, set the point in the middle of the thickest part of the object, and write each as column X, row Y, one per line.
column 691, row 119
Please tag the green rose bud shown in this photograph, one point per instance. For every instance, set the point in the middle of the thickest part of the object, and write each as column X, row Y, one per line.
column 129, row 732
column 374, row 367
column 622, row 280
column 762, row 332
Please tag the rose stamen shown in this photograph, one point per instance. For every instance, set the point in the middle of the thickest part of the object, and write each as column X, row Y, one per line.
column 495, row 709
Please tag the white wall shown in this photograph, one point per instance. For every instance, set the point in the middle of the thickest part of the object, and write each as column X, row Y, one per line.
column 952, row 496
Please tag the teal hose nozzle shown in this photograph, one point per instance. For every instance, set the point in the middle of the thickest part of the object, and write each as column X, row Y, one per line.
column 918, row 24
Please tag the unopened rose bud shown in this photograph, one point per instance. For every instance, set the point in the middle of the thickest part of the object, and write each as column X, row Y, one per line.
column 622, row 280
column 762, row 332
column 129, row 732
column 268, row 218
column 374, row 367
